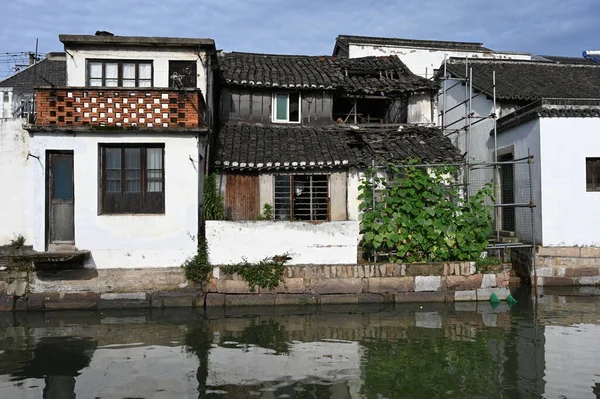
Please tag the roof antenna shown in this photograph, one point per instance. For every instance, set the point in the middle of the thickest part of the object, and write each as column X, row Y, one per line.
column 592, row 55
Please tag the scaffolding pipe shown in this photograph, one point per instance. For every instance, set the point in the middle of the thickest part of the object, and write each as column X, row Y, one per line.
column 533, row 257
column 443, row 124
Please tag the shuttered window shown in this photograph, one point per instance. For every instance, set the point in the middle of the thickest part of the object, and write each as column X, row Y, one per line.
column 132, row 179
column 301, row 197
column 592, row 174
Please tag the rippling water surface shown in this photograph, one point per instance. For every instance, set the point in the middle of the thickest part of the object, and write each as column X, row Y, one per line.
column 544, row 347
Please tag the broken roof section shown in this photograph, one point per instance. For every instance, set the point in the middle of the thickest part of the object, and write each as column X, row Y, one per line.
column 51, row 71
column 346, row 40
column 531, row 80
column 359, row 75
column 261, row 147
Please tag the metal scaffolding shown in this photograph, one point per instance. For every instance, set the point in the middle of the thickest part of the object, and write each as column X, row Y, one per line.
column 504, row 171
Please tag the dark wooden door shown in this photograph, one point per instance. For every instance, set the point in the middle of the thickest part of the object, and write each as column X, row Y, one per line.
column 242, row 197
column 60, row 191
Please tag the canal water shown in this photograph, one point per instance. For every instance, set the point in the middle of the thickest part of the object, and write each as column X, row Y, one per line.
column 546, row 346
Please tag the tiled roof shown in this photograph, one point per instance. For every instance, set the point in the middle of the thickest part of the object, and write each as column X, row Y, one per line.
column 558, row 59
column 48, row 72
column 550, row 108
column 531, row 80
column 360, row 75
column 388, row 41
column 262, row 147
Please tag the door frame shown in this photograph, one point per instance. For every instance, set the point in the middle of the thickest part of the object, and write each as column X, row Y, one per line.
column 48, row 195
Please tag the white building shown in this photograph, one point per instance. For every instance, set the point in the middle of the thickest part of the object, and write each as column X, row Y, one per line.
column 550, row 109
column 423, row 57
column 117, row 154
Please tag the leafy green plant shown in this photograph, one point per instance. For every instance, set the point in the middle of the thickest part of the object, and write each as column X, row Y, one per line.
column 488, row 264
column 267, row 213
column 213, row 201
column 18, row 242
column 420, row 216
column 198, row 268
column 268, row 273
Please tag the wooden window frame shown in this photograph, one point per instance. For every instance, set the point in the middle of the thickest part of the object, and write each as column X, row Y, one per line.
column 592, row 174
column 292, row 197
column 274, row 108
column 145, row 206
column 120, row 71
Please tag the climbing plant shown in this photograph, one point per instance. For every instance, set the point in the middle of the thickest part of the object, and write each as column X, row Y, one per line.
column 419, row 215
column 213, row 201
column 197, row 268
column 267, row 273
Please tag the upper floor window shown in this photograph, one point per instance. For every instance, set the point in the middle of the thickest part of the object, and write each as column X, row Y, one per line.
column 182, row 73
column 592, row 174
column 286, row 107
column 120, row 73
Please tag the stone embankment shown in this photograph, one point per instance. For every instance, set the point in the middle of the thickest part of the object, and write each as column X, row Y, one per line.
column 301, row 285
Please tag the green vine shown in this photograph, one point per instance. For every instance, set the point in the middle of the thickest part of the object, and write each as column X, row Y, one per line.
column 198, row 268
column 421, row 216
column 268, row 273
column 213, row 201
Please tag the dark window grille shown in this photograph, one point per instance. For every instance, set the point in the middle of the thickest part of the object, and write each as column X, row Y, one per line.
column 592, row 174
column 301, row 197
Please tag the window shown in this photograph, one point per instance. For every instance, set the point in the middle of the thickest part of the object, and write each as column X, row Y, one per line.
column 286, row 107
column 592, row 174
column 120, row 73
column 132, row 179
column 182, row 74
column 301, row 197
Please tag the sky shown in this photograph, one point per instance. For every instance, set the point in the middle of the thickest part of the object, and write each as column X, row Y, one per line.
column 555, row 27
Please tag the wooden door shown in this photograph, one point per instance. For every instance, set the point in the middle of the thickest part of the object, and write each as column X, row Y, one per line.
column 60, row 198
column 242, row 197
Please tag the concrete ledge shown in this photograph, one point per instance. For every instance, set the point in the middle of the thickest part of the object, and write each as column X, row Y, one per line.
column 338, row 299
column 295, row 299
column 484, row 294
column 420, row 297
column 250, row 300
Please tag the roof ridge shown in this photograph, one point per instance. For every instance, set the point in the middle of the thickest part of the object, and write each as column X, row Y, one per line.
column 458, row 60
column 278, row 55
column 410, row 40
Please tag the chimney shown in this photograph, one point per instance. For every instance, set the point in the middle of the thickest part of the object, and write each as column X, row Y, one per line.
column 31, row 58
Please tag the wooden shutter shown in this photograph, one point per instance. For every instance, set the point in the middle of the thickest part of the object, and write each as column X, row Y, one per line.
column 242, row 197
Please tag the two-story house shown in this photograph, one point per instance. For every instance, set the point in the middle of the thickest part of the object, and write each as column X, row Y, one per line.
column 296, row 134
column 120, row 150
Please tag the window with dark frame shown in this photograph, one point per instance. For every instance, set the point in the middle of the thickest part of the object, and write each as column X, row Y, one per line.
column 592, row 174
column 182, row 74
column 111, row 73
column 301, row 197
column 132, row 179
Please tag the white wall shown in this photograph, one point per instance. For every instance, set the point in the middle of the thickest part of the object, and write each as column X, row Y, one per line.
column 524, row 138
column 76, row 64
column 570, row 214
column 419, row 109
column 307, row 243
column 423, row 61
column 127, row 240
column 15, row 197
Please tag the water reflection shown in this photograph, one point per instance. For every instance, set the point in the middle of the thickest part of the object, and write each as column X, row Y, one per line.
column 545, row 347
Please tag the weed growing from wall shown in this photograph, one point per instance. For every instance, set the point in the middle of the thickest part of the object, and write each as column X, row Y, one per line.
column 419, row 215
column 198, row 268
column 268, row 273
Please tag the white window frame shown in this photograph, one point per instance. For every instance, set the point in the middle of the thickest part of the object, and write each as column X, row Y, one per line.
column 274, row 108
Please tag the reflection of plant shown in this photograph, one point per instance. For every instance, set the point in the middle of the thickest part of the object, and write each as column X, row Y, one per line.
column 198, row 341
column 432, row 368
column 421, row 216
column 266, row 334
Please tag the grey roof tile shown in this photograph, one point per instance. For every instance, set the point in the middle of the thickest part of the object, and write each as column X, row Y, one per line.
column 360, row 75
column 273, row 147
column 389, row 41
column 47, row 72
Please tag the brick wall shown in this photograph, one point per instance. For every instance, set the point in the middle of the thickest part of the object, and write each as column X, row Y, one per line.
column 126, row 108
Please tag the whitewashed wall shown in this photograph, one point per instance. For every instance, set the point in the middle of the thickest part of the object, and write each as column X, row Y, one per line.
column 76, row 63
column 128, row 240
column 522, row 141
column 15, row 193
column 423, row 61
column 570, row 214
column 307, row 243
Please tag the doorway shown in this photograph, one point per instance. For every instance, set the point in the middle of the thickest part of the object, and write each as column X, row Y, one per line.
column 60, row 201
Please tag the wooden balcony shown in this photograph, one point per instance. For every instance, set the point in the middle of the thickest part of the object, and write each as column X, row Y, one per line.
column 127, row 108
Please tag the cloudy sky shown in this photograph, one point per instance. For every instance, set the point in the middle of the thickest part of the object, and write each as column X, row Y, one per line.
column 556, row 27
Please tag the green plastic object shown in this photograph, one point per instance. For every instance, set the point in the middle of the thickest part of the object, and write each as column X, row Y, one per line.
column 494, row 298
column 510, row 300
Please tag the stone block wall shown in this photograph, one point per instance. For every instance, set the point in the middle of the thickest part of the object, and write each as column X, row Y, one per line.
column 419, row 282
column 567, row 266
